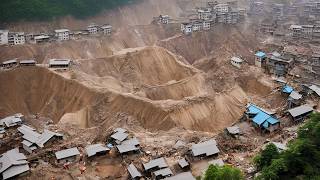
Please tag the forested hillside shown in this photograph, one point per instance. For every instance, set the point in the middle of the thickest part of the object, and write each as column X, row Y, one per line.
column 15, row 10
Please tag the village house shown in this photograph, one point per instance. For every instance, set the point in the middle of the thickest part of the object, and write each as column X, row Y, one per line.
column 42, row 38
column 260, row 59
column 4, row 37
column 162, row 173
column 183, row 163
column 133, row 171
column 294, row 99
column 106, row 29
column 155, row 164
column 12, row 121
column 221, row 8
column 299, row 113
column 234, row 131
column 262, row 119
column 13, row 164
column 164, row 19
column 197, row 25
column 30, row 62
column 206, row 25
column 232, row 17
column 315, row 89
column 62, row 34
column 207, row 148
column 316, row 31
column 127, row 146
column 267, row 26
column 92, row 29
column 16, row 38
column 96, row 150
column 278, row 65
column 186, row 28
column 67, row 155
column 256, row 7
column 237, row 62
column 306, row 31
column 182, row 176
column 9, row 63
column 59, row 63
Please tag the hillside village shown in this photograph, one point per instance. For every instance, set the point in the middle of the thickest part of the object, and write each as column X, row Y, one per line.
column 281, row 81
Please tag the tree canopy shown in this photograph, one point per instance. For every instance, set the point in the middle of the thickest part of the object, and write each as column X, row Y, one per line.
column 15, row 10
column 223, row 173
column 300, row 161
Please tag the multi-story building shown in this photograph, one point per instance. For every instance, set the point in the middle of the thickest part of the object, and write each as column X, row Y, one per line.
column 186, row 28
column 221, row 8
column 164, row 19
column 92, row 29
column 306, row 31
column 106, row 29
column 16, row 38
column 204, row 14
column 278, row 64
column 4, row 37
column 296, row 31
column 62, row 34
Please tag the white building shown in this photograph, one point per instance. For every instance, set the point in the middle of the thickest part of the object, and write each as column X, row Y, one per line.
column 16, row 38
column 204, row 14
column 164, row 19
column 4, row 37
column 92, row 29
column 106, row 29
column 206, row 25
column 197, row 25
column 62, row 34
column 237, row 62
column 296, row 30
column 186, row 28
column 222, row 8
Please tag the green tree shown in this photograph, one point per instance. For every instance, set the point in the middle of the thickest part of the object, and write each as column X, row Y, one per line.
column 223, row 173
column 265, row 157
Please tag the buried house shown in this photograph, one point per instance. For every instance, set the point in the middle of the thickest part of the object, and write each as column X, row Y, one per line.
column 11, row 121
column 262, row 119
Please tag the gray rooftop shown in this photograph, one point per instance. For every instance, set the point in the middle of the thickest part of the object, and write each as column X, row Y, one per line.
column 183, row 163
column 295, row 112
column 124, row 148
column 208, row 148
column 120, row 136
column 217, row 162
column 11, row 121
column 134, row 173
column 95, row 148
column 316, row 89
column 9, row 61
column 46, row 136
column 120, row 130
column 133, row 141
column 163, row 172
column 13, row 163
column 160, row 163
column 67, row 153
column 233, row 130
column 58, row 62
column 295, row 95
column 182, row 176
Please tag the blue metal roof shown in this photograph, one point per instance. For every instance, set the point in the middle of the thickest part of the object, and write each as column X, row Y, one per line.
column 261, row 117
column 260, row 54
column 287, row 89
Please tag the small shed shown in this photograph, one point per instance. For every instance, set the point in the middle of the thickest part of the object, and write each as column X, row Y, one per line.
column 67, row 155
column 300, row 113
column 155, row 164
column 133, row 171
column 260, row 58
column 294, row 99
column 162, row 173
column 96, row 149
column 182, row 176
column 28, row 62
column 183, row 163
column 207, row 148
column 236, row 61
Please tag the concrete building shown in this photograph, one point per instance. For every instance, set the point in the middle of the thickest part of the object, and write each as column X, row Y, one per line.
column 67, row 155
column 13, row 164
column 197, row 25
column 307, row 31
column 30, row 62
column 162, row 173
column 298, row 114
column 155, row 164
column 206, row 25
column 204, row 14
column 186, row 28
column 278, row 11
column 267, row 26
column 4, row 37
column 294, row 99
column 9, row 63
column 16, row 38
column 260, row 59
column 278, row 65
column 256, row 7
column 237, row 62
column 221, row 8
column 164, row 19
column 42, row 38
column 296, row 31
column 93, row 29
column 182, row 176
column 62, row 34
column 106, row 29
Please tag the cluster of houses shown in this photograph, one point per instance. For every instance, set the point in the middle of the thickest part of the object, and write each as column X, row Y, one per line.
column 305, row 31
column 214, row 12
column 18, row 38
column 53, row 63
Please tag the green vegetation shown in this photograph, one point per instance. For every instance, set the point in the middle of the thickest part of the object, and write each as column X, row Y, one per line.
column 300, row 161
column 223, row 173
column 15, row 10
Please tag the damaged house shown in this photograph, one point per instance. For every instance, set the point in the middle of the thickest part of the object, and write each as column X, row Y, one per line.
column 13, row 164
column 278, row 64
